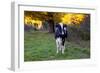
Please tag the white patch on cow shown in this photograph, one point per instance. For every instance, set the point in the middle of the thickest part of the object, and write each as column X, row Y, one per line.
column 65, row 28
column 61, row 24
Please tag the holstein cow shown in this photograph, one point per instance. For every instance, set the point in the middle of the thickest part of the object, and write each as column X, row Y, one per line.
column 60, row 35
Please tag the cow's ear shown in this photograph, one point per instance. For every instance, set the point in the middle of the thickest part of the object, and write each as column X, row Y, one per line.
column 56, row 28
column 56, row 25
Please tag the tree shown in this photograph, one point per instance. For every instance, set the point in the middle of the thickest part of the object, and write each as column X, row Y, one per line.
column 51, row 18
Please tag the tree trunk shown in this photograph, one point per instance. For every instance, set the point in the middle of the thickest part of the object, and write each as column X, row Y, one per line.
column 51, row 25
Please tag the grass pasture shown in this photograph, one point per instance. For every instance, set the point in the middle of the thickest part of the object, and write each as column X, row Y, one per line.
column 41, row 46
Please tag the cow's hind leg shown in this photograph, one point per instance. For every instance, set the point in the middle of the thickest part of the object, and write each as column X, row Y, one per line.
column 63, row 45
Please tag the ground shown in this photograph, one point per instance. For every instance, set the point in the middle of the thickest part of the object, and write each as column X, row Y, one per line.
column 40, row 46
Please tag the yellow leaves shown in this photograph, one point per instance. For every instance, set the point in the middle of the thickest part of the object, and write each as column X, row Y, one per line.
column 73, row 18
column 29, row 21
column 66, row 19
column 78, row 18
column 38, row 23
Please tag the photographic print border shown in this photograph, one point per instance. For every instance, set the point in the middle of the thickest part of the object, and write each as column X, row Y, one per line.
column 17, row 27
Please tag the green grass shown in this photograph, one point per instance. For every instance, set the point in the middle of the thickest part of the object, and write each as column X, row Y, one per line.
column 40, row 46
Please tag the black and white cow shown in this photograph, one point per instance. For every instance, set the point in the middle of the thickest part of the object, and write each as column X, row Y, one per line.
column 60, row 35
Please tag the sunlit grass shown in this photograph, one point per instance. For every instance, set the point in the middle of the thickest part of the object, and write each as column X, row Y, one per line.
column 39, row 46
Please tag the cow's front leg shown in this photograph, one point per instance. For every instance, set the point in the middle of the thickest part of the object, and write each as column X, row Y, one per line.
column 57, row 44
column 63, row 48
column 57, row 51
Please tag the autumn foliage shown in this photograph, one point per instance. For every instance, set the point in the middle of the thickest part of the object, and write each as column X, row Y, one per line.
column 78, row 23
